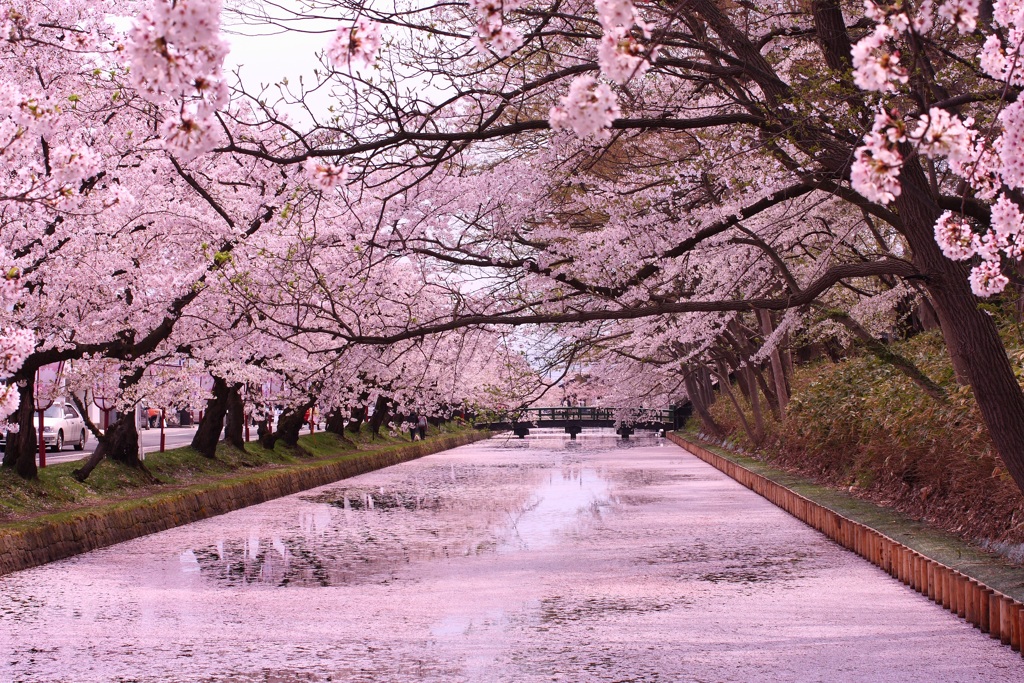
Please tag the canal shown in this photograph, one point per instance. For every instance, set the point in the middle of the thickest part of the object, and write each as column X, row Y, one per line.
column 507, row 560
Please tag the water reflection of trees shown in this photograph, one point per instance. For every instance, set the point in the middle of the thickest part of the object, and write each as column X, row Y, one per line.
column 350, row 535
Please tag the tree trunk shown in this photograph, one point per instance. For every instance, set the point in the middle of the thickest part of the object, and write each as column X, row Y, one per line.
column 380, row 414
column 335, row 422
column 23, row 445
column 123, row 444
column 119, row 443
column 700, row 406
column 234, row 424
column 754, row 433
column 778, row 371
column 358, row 415
column 210, row 427
column 970, row 334
column 290, row 424
column 755, row 401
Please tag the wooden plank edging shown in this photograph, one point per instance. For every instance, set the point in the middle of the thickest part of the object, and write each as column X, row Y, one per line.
column 49, row 541
column 990, row 611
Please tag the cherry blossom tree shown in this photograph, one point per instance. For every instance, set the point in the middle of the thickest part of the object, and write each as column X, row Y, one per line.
column 715, row 120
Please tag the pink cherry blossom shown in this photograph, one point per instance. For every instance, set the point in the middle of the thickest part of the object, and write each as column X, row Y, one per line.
column 355, row 45
column 876, row 169
column 939, row 133
column 324, row 175
column 987, row 279
column 963, row 13
column 588, row 109
column 175, row 47
column 875, row 67
column 491, row 27
column 616, row 13
column 954, row 237
column 621, row 56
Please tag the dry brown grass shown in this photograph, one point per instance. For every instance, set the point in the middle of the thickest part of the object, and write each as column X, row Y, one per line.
column 861, row 425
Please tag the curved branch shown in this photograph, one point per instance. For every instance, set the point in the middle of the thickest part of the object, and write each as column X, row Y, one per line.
column 834, row 275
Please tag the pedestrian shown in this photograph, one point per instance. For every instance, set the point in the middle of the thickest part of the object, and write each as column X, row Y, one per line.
column 421, row 425
column 412, row 427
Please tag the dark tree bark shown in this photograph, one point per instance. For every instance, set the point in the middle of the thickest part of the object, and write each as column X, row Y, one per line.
column 380, row 414
column 777, row 369
column 23, row 445
column 291, row 422
column 335, row 422
column 830, row 27
column 971, row 335
column 234, row 424
column 120, row 443
column 210, row 427
column 358, row 415
column 700, row 406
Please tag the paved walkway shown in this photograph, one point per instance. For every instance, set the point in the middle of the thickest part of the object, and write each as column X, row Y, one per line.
column 500, row 561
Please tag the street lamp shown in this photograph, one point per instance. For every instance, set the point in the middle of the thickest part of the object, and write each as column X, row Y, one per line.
column 47, row 386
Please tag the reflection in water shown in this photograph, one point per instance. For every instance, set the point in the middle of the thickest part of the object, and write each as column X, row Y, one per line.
column 599, row 560
column 557, row 504
column 347, row 534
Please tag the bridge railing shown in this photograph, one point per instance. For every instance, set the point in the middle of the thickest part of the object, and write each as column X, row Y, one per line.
column 591, row 413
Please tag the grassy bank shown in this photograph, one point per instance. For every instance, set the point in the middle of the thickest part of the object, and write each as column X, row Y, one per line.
column 861, row 425
column 56, row 491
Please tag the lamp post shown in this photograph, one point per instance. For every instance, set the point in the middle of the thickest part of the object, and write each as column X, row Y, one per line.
column 44, row 397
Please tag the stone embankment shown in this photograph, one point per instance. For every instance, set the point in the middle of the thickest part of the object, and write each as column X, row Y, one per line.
column 986, row 608
column 55, row 537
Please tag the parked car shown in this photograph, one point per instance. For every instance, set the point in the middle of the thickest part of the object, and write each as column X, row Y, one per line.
column 62, row 424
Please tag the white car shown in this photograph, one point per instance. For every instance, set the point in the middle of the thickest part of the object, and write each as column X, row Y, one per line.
column 62, row 424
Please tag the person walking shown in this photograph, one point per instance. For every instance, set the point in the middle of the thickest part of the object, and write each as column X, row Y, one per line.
column 421, row 425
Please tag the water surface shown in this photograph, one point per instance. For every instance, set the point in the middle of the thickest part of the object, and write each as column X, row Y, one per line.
column 507, row 560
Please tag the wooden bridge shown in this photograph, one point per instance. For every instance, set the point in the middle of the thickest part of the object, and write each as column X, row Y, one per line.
column 575, row 419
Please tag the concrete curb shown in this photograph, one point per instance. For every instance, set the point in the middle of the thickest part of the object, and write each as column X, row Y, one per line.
column 990, row 611
column 45, row 540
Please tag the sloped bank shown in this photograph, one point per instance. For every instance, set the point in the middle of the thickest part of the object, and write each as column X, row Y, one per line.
column 53, row 537
column 983, row 590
